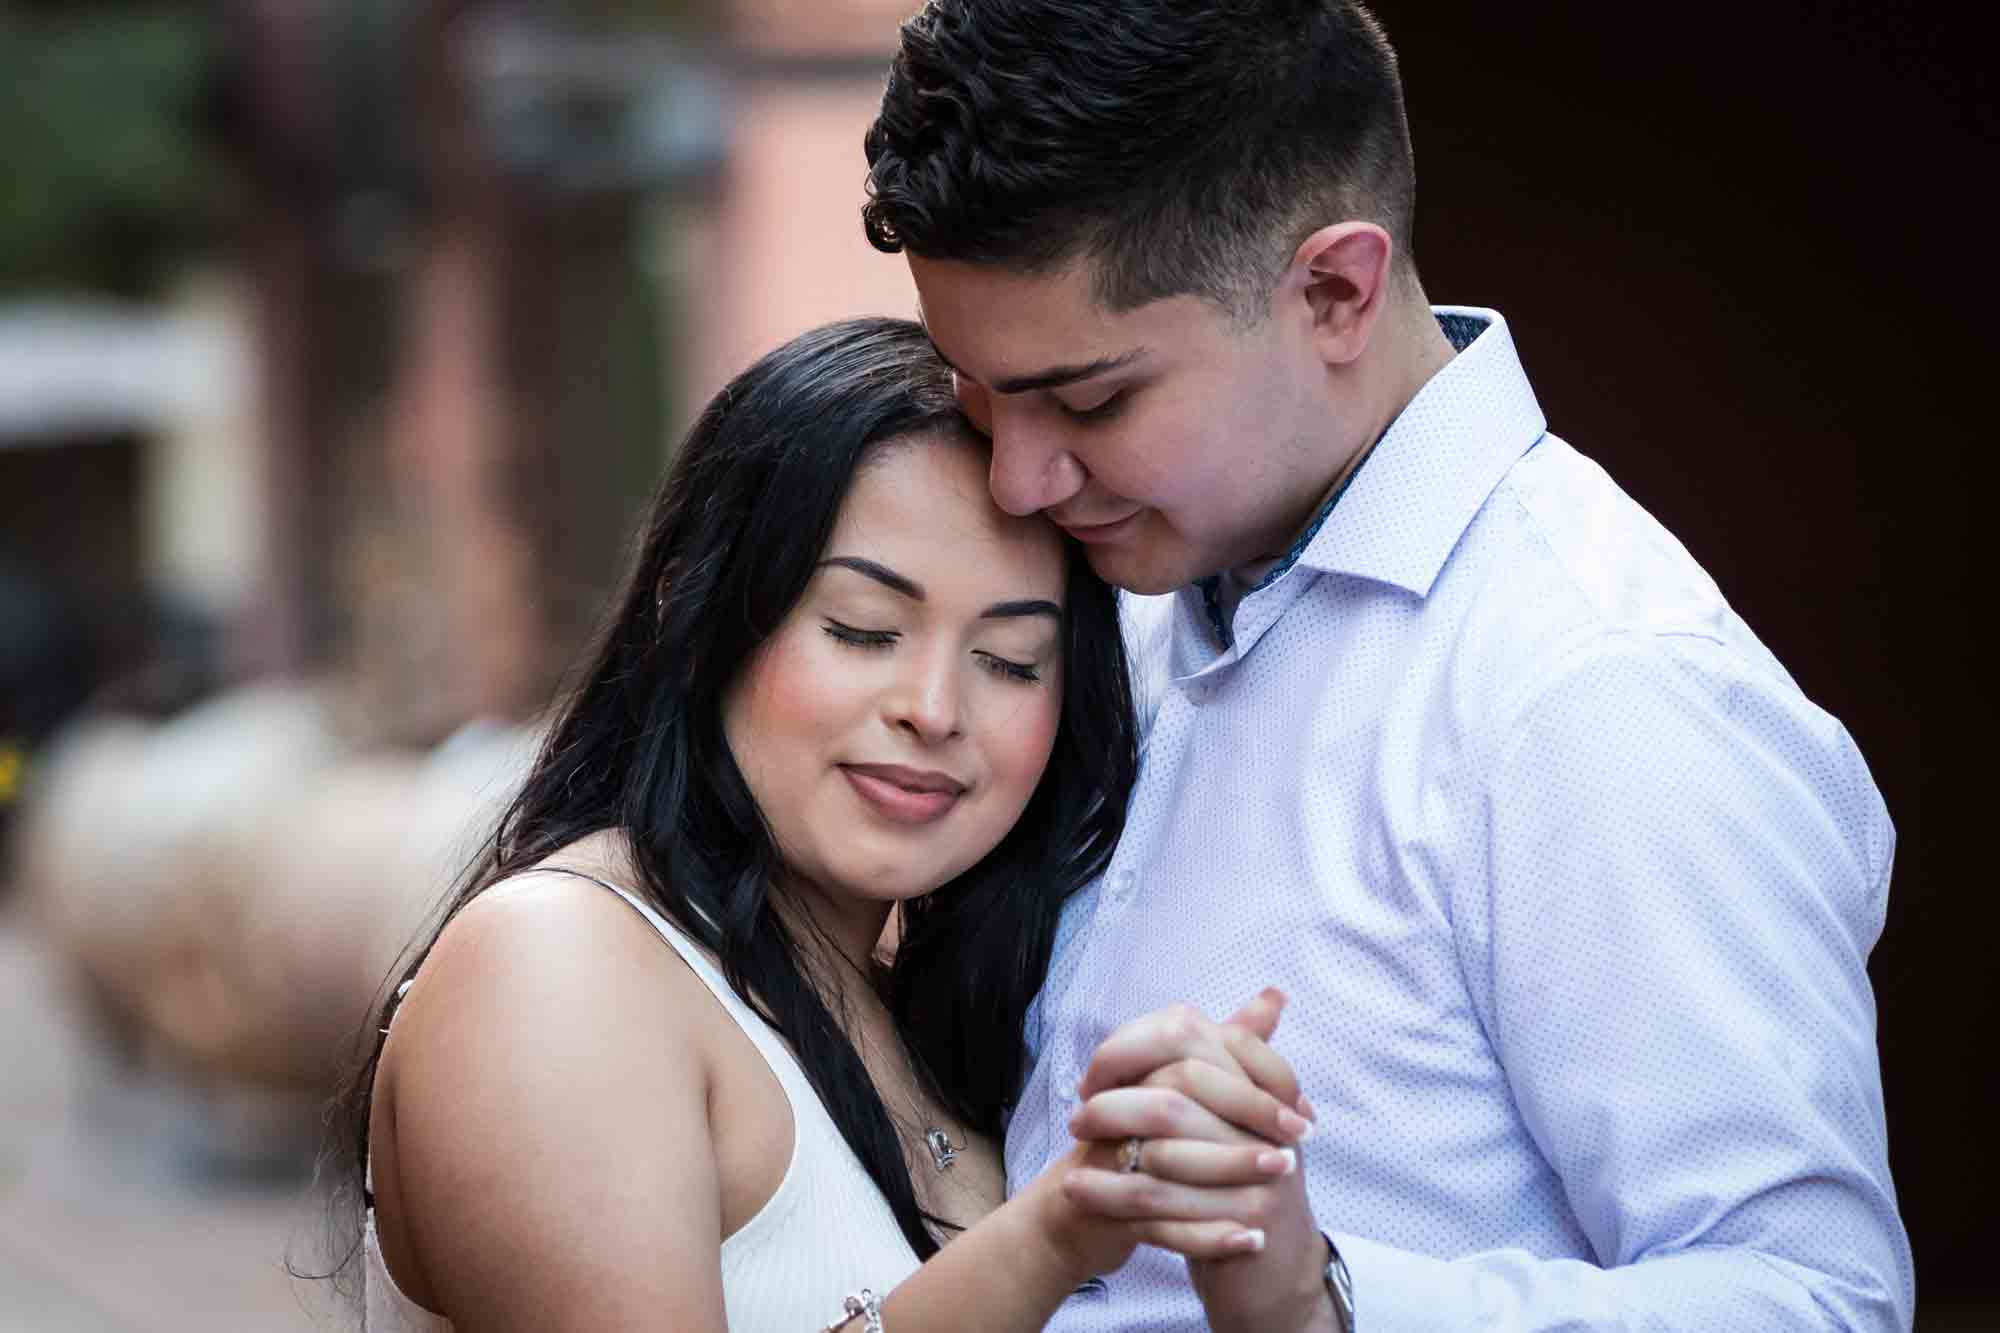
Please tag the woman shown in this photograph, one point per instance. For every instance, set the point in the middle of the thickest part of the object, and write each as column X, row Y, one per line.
column 841, row 686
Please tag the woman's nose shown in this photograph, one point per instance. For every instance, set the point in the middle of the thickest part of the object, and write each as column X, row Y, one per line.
column 926, row 702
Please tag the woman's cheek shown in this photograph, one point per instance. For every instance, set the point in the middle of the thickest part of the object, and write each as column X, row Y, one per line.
column 779, row 721
column 1026, row 743
column 795, row 685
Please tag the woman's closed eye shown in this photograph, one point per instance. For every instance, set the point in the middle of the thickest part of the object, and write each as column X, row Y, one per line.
column 1008, row 669
column 861, row 638
column 1004, row 667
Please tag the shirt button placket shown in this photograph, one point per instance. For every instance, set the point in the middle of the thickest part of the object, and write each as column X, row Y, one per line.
column 1118, row 890
column 1113, row 896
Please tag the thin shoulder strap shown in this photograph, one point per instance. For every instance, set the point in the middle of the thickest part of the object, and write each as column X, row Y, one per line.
column 791, row 1075
column 626, row 894
column 691, row 953
column 667, row 929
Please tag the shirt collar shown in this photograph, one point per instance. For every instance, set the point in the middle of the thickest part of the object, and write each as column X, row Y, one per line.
column 1417, row 491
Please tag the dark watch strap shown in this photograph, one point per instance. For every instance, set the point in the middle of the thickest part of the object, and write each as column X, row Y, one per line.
column 1339, row 1285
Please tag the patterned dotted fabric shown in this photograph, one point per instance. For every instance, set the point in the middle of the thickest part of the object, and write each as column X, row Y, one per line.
column 1571, row 888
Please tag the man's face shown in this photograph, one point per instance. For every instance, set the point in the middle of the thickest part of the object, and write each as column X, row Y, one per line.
column 1170, row 441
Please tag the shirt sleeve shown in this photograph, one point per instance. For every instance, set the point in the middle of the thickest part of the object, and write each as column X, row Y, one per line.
column 1686, row 866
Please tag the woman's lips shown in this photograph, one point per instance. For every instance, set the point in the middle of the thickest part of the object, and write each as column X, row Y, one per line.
column 902, row 795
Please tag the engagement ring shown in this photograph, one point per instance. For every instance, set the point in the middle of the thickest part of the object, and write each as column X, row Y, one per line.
column 1128, row 1154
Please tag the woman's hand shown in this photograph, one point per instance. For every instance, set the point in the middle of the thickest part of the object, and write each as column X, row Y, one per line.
column 1184, row 1087
column 1094, row 1242
column 1186, row 1107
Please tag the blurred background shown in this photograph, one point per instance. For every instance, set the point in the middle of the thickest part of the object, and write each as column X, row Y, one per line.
column 341, row 342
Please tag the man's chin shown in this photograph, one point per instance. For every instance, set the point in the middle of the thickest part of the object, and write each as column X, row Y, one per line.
column 1136, row 571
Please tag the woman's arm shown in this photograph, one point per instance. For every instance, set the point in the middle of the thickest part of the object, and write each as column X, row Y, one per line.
column 1008, row 1273
column 541, row 1115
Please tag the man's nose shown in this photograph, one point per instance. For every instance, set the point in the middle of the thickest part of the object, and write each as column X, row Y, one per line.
column 1030, row 470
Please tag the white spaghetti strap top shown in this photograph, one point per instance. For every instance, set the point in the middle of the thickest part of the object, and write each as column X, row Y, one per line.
column 827, row 1230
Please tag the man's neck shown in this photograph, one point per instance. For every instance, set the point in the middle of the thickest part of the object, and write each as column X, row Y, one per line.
column 1413, row 349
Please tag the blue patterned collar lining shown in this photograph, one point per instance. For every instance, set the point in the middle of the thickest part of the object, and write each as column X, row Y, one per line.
column 1460, row 330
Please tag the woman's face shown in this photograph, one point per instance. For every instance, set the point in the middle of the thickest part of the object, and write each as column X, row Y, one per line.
column 895, row 725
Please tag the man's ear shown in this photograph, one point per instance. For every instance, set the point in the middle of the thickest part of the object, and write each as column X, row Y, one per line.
column 1342, row 273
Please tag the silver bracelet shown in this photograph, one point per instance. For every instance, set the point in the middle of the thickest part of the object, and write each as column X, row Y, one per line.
column 861, row 1303
column 1339, row 1286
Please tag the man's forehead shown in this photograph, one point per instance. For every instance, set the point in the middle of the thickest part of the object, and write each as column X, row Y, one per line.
column 1013, row 332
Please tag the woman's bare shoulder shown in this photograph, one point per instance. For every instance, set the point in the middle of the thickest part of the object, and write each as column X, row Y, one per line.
column 542, row 942
column 546, row 1089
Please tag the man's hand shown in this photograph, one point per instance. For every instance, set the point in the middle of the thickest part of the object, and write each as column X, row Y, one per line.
column 1240, row 1045
column 1192, row 1088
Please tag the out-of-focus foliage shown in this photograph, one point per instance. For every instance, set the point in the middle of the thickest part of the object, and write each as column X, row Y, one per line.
column 107, row 177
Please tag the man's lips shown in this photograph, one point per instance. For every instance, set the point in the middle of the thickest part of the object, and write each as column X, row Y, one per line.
column 1097, row 532
column 905, row 795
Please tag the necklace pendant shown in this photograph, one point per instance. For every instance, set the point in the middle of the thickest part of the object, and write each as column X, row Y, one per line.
column 942, row 1153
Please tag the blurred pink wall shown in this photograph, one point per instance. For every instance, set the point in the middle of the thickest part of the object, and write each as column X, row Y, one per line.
column 781, row 247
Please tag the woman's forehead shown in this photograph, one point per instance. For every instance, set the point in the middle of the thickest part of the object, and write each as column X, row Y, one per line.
column 922, row 505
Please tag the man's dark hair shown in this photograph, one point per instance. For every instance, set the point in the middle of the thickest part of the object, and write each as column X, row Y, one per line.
column 1182, row 146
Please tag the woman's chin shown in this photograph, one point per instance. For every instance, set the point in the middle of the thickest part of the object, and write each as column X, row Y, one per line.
column 896, row 881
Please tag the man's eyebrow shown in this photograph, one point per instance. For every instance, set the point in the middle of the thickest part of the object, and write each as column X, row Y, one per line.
column 1060, row 375
column 1054, row 376
column 882, row 574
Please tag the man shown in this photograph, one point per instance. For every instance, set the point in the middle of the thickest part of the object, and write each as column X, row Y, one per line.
column 1571, row 889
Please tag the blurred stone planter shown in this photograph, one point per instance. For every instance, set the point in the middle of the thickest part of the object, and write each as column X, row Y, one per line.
column 234, row 885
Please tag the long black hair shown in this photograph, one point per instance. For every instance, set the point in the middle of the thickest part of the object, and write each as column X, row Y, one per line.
column 734, row 535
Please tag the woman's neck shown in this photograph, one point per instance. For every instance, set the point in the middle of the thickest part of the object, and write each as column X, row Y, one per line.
column 838, row 941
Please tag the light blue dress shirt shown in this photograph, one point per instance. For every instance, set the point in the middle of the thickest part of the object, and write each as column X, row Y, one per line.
column 1570, row 887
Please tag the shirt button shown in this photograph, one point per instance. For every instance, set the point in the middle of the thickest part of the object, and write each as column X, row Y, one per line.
column 1121, row 886
column 1200, row 692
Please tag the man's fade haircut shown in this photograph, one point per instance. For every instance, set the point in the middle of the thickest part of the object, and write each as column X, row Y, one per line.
column 1181, row 146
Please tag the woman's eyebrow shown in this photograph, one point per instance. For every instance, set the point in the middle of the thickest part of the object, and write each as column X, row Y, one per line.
column 1035, row 606
column 882, row 574
column 910, row 588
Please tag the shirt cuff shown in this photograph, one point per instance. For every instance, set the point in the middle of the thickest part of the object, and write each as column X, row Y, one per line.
column 1400, row 1291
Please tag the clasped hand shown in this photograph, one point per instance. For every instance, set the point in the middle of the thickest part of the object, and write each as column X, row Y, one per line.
column 1219, row 1116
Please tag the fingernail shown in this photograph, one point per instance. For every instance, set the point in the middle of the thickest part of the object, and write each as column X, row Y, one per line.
column 1294, row 1126
column 1307, row 1109
column 1278, row 1161
column 1251, row 1240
